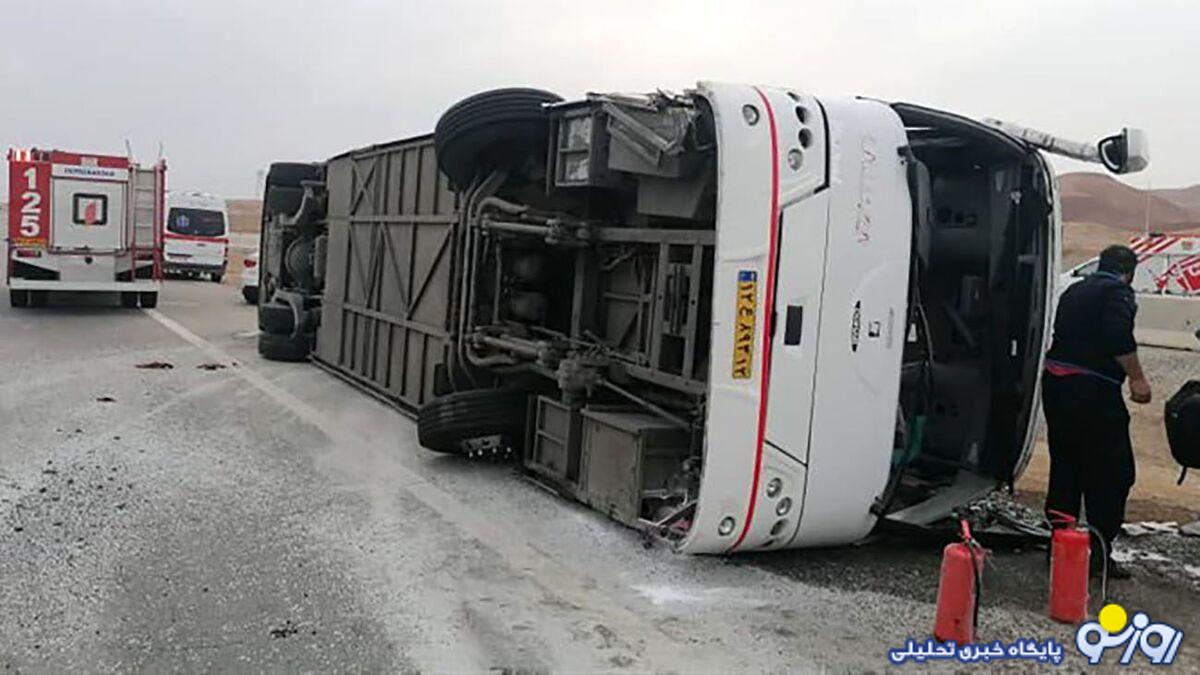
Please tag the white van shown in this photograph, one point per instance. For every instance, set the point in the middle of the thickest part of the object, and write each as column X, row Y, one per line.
column 196, row 235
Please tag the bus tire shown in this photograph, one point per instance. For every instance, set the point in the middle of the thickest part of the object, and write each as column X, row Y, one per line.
column 492, row 129
column 129, row 299
column 149, row 299
column 284, row 187
column 446, row 422
column 18, row 297
column 274, row 317
column 292, row 174
column 284, row 346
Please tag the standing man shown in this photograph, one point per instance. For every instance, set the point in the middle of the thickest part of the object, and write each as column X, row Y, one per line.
column 1091, row 457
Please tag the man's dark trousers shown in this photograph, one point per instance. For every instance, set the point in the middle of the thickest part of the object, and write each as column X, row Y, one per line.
column 1091, row 456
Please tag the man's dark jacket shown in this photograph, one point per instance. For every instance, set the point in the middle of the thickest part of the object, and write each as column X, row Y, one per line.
column 1095, row 324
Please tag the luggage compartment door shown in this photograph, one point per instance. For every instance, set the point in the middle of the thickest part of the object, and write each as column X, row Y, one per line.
column 88, row 215
column 799, row 283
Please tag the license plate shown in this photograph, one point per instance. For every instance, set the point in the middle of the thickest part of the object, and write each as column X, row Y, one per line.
column 744, row 323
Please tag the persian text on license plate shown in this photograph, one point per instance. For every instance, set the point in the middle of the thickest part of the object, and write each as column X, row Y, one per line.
column 743, row 327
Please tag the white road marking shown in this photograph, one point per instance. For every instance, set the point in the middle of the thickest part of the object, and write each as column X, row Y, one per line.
column 581, row 588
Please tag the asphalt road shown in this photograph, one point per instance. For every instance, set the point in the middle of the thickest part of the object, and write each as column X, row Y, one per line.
column 232, row 514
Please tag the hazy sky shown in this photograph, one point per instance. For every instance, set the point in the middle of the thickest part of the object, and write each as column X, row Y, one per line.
column 229, row 86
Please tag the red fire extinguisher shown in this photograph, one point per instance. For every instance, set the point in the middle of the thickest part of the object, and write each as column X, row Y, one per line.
column 1070, row 556
column 959, row 590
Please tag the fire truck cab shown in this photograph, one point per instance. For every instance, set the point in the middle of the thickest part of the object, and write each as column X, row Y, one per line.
column 83, row 222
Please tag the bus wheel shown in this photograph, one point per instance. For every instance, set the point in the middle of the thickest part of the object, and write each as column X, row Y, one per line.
column 501, row 128
column 149, row 299
column 129, row 299
column 284, row 346
column 18, row 298
column 447, row 423
column 38, row 298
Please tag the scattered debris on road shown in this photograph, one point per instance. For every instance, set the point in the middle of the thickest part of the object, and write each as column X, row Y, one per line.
column 105, row 399
column 155, row 365
column 288, row 629
column 1144, row 528
column 997, row 513
column 211, row 366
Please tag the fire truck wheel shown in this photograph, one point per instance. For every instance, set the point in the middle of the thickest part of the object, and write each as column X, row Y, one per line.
column 149, row 299
column 129, row 299
column 18, row 298
column 445, row 423
column 277, row 347
column 494, row 128
column 276, row 318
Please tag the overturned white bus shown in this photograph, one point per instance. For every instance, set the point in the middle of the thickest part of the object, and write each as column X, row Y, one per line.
column 741, row 318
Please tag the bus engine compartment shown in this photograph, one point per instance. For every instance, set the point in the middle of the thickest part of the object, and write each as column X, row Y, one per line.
column 586, row 272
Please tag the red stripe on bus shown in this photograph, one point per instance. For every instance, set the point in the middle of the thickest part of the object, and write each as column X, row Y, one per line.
column 768, row 311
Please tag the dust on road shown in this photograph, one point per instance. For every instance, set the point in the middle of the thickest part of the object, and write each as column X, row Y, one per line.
column 196, row 523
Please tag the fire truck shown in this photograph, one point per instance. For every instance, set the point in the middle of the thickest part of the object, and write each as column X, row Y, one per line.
column 1168, row 264
column 83, row 223
column 1174, row 262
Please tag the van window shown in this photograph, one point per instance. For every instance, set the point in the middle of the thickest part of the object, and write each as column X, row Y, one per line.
column 196, row 222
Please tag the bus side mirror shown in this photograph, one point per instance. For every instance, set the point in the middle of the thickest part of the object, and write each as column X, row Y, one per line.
column 1126, row 152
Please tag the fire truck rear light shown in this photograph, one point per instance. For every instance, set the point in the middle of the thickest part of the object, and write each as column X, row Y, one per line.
column 28, row 253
